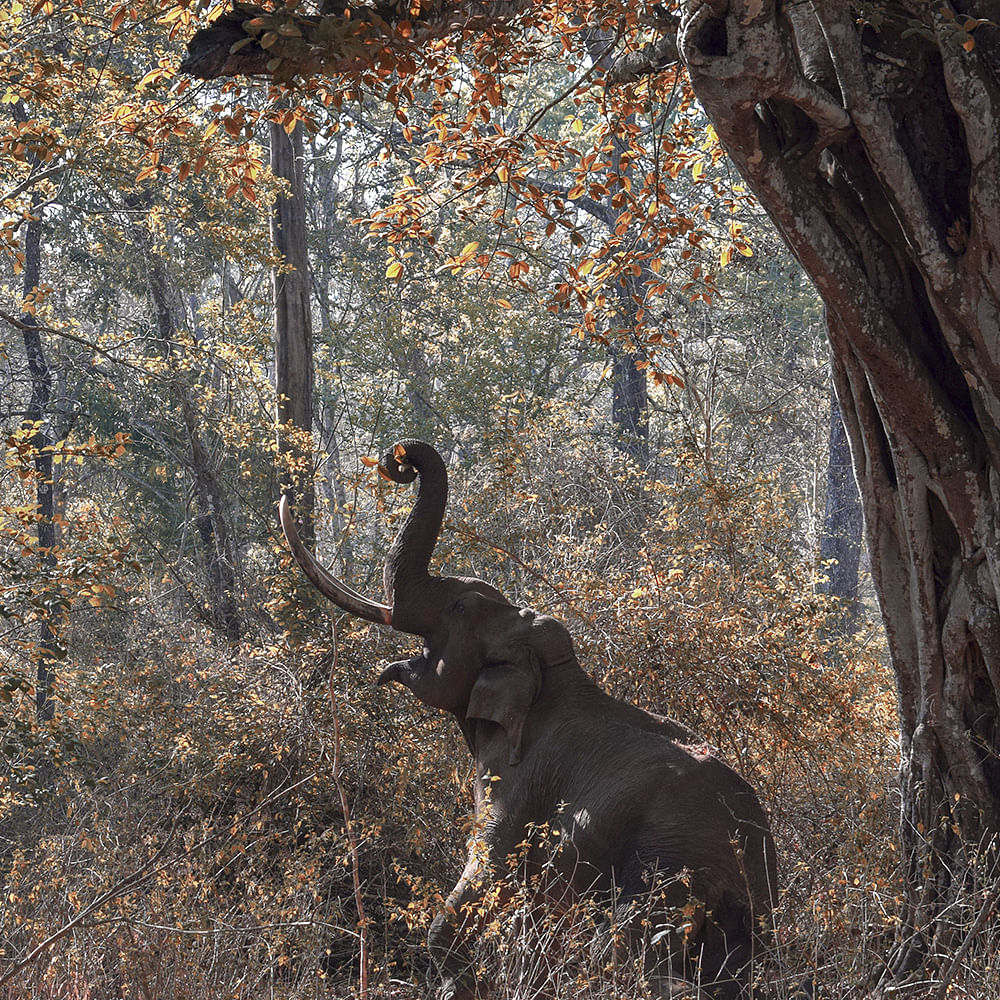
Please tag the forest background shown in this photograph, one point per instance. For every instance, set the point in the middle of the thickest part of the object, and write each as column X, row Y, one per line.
column 628, row 375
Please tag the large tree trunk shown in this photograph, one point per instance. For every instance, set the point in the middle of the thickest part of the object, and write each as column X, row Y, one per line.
column 875, row 150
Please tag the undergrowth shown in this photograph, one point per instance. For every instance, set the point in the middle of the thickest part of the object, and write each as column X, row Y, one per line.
column 175, row 831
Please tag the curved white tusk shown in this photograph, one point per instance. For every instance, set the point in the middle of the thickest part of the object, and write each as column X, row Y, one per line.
column 325, row 582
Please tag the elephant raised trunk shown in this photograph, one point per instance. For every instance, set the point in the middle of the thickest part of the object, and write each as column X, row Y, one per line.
column 414, row 598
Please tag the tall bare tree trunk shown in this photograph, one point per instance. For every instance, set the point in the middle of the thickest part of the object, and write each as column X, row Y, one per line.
column 292, row 323
column 874, row 147
column 629, row 387
column 37, row 418
column 214, row 537
column 629, row 392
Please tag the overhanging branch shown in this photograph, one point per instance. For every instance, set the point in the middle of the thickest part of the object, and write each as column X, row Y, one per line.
column 251, row 41
column 651, row 59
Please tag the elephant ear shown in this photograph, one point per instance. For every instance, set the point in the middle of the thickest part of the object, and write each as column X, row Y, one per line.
column 504, row 692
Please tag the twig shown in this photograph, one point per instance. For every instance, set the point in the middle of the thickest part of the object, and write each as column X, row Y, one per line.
column 76, row 338
column 349, row 830
column 987, row 911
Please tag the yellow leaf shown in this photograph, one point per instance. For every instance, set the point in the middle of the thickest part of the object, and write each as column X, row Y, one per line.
column 726, row 256
column 576, row 126
column 470, row 248
column 150, row 77
column 394, row 270
column 504, row 303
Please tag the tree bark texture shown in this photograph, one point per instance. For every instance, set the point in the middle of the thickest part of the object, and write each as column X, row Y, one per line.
column 38, row 417
column 629, row 390
column 874, row 147
column 292, row 322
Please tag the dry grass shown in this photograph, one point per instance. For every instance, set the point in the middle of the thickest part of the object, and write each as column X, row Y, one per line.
column 176, row 833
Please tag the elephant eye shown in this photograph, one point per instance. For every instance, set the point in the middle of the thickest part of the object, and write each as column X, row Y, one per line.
column 459, row 607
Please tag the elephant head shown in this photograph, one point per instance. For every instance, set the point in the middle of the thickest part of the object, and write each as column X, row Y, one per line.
column 481, row 654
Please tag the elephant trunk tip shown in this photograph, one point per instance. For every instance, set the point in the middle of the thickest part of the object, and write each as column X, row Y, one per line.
column 396, row 466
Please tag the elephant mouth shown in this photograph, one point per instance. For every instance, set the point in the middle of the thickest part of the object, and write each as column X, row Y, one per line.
column 405, row 671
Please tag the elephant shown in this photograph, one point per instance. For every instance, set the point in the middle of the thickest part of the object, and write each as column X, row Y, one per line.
column 634, row 799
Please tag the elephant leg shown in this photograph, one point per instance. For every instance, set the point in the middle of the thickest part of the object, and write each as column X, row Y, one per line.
column 657, row 928
column 451, row 931
column 451, row 958
column 726, row 951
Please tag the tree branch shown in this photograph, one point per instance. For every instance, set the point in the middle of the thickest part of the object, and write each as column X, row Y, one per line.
column 654, row 58
column 593, row 208
column 251, row 41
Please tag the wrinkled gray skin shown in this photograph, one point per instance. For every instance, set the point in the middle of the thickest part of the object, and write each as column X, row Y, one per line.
column 630, row 793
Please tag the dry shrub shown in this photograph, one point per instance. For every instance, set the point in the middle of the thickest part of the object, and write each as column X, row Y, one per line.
column 181, row 819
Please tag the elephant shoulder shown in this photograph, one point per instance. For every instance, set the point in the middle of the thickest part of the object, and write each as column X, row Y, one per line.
column 675, row 731
column 665, row 726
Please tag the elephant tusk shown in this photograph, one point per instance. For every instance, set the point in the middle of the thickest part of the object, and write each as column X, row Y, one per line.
column 325, row 582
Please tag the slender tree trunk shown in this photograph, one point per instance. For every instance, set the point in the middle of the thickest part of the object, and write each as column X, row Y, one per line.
column 47, row 651
column 629, row 393
column 876, row 154
column 629, row 390
column 843, row 523
column 292, row 324
column 210, row 521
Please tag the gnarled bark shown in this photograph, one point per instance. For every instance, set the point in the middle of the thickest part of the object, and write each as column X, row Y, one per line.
column 874, row 149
